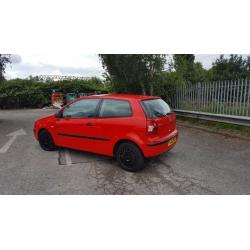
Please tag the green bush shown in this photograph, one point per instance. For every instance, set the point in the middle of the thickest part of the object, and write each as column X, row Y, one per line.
column 20, row 93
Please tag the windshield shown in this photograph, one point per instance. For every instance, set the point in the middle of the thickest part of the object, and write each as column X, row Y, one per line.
column 156, row 108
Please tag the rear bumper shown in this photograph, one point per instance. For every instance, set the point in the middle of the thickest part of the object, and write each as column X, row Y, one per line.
column 158, row 147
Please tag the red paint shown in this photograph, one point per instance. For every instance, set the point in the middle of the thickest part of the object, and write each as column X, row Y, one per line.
column 100, row 135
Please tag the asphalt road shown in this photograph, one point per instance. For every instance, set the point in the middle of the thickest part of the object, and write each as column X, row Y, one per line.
column 201, row 163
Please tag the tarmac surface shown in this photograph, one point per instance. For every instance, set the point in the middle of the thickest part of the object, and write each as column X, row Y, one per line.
column 200, row 163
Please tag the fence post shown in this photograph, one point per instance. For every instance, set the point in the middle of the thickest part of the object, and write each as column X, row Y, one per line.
column 196, row 96
column 240, row 96
column 199, row 96
column 173, row 96
column 184, row 97
column 209, row 96
column 217, row 97
column 244, row 100
column 228, row 93
column 204, row 91
column 176, row 96
column 224, row 90
column 234, row 96
column 220, row 97
column 212, row 96
column 248, row 97
column 181, row 104
column 191, row 95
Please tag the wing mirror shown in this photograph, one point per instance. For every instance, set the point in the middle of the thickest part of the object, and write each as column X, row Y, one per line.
column 59, row 114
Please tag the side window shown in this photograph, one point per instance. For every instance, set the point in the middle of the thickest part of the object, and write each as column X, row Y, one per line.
column 115, row 108
column 81, row 109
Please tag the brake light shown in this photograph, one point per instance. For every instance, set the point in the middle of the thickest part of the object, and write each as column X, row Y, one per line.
column 151, row 126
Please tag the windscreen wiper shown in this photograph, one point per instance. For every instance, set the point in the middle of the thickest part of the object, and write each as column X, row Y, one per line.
column 158, row 114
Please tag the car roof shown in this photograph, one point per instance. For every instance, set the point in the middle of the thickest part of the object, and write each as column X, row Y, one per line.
column 123, row 96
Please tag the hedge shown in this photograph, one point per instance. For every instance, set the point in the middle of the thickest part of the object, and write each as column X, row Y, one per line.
column 19, row 93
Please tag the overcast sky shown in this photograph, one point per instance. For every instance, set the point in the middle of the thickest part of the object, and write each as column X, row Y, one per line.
column 25, row 65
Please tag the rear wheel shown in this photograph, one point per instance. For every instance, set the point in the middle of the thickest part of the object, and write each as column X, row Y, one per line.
column 46, row 141
column 130, row 157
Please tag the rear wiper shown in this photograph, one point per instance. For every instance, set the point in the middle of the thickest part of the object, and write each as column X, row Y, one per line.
column 158, row 114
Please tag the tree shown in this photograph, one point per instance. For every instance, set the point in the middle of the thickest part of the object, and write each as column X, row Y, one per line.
column 4, row 60
column 183, row 61
column 187, row 69
column 234, row 67
column 199, row 73
column 134, row 73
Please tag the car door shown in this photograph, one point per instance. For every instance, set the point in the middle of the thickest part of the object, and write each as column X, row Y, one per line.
column 76, row 128
column 112, row 122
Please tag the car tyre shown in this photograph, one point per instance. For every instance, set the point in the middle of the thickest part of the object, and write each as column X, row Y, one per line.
column 46, row 141
column 130, row 157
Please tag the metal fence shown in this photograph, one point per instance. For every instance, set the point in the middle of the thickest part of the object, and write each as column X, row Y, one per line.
column 230, row 97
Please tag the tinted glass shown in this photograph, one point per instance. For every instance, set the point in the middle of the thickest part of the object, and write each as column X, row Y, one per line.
column 156, row 108
column 115, row 108
column 81, row 109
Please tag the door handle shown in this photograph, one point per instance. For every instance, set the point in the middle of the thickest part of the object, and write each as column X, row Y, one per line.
column 90, row 124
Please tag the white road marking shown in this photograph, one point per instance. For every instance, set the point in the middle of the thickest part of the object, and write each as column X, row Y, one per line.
column 13, row 135
column 67, row 157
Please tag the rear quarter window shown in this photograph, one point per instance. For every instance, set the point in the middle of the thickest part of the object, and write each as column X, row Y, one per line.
column 155, row 108
column 115, row 108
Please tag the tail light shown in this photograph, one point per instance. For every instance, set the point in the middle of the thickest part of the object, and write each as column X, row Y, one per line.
column 151, row 127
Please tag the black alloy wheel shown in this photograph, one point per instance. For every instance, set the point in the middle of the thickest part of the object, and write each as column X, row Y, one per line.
column 130, row 157
column 46, row 141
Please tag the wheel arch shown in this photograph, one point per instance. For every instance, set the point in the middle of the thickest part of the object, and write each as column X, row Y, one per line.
column 119, row 142
column 41, row 129
column 45, row 129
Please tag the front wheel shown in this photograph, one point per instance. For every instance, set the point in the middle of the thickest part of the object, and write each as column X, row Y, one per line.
column 130, row 157
column 46, row 141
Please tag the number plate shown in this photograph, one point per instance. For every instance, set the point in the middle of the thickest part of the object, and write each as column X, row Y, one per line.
column 172, row 141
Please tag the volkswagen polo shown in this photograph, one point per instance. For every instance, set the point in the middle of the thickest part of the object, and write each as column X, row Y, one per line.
column 127, row 127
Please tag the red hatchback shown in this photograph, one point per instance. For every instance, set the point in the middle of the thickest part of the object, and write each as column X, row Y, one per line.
column 128, row 127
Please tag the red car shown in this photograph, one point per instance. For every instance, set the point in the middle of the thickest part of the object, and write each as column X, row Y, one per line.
column 128, row 127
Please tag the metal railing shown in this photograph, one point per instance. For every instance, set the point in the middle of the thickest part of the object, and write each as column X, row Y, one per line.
column 231, row 98
column 237, row 120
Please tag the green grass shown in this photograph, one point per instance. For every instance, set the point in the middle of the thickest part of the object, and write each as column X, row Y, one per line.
column 216, row 125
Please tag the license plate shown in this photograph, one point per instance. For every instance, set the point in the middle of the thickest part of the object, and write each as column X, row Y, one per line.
column 172, row 141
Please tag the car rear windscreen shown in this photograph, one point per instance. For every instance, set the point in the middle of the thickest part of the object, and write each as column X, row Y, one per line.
column 155, row 108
